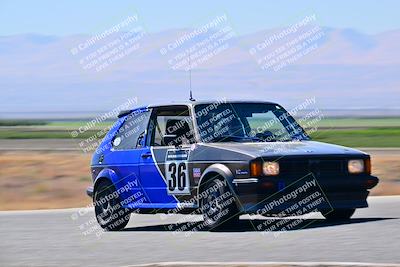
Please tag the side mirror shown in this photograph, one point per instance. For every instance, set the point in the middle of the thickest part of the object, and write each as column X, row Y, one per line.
column 170, row 139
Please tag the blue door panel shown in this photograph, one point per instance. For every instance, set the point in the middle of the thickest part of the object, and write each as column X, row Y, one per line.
column 154, row 183
column 147, row 188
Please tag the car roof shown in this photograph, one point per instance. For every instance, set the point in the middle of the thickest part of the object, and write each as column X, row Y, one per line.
column 190, row 104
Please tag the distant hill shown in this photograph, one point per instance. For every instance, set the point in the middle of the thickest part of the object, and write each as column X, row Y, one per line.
column 348, row 69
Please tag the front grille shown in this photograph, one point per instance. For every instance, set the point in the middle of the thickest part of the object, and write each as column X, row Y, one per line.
column 314, row 165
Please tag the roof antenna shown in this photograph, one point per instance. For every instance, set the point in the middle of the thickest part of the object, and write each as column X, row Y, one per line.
column 190, row 79
column 191, row 97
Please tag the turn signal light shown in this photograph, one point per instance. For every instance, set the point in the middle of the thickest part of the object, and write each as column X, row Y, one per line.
column 255, row 169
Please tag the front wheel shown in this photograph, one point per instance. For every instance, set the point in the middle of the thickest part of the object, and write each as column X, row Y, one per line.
column 218, row 204
column 339, row 214
column 110, row 215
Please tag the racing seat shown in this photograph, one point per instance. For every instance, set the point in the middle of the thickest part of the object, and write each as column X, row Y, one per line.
column 182, row 131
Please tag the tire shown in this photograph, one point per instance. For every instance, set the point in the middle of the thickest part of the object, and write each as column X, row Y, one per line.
column 110, row 215
column 218, row 205
column 339, row 215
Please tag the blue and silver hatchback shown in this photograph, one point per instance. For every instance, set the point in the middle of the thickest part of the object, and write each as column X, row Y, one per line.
column 221, row 160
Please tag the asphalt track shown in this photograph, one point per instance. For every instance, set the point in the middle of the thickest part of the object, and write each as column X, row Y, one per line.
column 54, row 238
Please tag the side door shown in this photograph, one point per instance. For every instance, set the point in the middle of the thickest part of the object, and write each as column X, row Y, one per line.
column 127, row 146
column 164, row 164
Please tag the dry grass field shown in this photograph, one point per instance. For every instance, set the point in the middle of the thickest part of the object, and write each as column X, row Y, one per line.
column 43, row 180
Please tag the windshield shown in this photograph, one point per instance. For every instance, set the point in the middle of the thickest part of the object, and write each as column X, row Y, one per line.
column 246, row 122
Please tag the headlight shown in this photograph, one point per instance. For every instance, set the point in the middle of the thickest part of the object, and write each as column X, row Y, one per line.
column 271, row 168
column 356, row 166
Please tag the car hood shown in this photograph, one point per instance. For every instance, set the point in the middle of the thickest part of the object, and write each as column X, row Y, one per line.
column 286, row 148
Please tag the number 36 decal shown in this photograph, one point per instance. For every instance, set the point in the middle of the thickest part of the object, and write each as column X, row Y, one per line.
column 177, row 175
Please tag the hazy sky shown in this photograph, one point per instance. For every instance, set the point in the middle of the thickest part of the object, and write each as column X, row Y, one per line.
column 350, row 69
column 73, row 16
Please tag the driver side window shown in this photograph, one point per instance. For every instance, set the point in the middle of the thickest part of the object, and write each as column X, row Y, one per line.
column 171, row 127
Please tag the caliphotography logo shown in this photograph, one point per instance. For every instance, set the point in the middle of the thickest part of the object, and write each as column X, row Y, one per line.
column 202, row 133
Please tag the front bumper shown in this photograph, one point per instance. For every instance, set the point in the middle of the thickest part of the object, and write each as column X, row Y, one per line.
column 272, row 195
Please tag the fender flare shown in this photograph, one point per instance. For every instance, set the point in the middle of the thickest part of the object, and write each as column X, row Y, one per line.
column 222, row 170
column 219, row 168
column 105, row 174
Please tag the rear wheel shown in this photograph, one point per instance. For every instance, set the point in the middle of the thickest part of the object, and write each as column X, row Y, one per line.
column 339, row 214
column 109, row 213
column 218, row 204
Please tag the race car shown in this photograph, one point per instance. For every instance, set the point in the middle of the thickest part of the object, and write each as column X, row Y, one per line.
column 222, row 159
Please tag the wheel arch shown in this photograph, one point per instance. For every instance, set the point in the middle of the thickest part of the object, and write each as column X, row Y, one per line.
column 215, row 170
column 105, row 175
column 100, row 180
